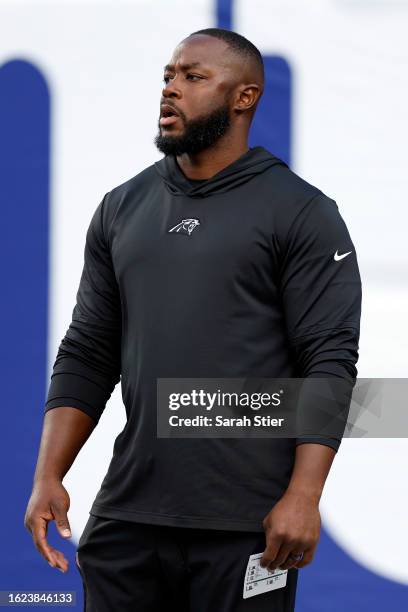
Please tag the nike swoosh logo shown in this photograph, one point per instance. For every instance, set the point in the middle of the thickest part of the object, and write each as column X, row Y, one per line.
column 337, row 257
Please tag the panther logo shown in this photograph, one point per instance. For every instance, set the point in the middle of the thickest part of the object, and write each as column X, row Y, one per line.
column 186, row 226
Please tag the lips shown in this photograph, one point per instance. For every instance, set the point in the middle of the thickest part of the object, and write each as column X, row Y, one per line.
column 168, row 115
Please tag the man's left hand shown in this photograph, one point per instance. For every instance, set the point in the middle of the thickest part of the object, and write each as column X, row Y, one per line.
column 292, row 527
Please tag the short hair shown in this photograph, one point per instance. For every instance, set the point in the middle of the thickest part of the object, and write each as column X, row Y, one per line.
column 239, row 44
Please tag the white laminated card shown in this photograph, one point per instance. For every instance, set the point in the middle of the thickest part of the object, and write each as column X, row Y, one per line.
column 259, row 580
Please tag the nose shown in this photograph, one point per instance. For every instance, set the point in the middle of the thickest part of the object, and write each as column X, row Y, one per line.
column 171, row 90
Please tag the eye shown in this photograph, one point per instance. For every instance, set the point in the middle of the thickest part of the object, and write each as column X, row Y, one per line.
column 193, row 77
column 166, row 79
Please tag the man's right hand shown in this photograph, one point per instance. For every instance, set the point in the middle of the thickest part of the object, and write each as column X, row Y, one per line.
column 49, row 501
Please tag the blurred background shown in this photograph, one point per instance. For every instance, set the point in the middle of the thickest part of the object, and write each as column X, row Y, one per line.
column 80, row 85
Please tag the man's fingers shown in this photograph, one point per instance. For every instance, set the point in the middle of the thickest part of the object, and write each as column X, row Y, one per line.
column 271, row 550
column 307, row 558
column 283, row 554
column 61, row 519
column 279, row 550
column 54, row 557
column 290, row 562
column 61, row 562
column 39, row 533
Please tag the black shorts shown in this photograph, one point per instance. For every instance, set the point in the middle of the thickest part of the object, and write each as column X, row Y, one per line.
column 134, row 567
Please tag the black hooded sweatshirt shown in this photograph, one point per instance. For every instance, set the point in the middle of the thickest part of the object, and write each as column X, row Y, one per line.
column 233, row 276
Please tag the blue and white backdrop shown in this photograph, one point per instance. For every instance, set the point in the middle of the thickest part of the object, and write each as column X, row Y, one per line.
column 80, row 83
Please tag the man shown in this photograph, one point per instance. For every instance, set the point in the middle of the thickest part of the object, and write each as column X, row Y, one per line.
column 216, row 261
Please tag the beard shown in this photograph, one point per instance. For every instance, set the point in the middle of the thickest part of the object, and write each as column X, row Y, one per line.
column 199, row 134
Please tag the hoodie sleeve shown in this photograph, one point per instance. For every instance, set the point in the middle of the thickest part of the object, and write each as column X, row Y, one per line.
column 87, row 365
column 321, row 293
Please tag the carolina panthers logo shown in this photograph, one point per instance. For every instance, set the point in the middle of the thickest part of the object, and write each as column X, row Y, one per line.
column 186, row 226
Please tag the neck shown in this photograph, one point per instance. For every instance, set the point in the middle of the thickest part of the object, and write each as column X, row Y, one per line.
column 207, row 163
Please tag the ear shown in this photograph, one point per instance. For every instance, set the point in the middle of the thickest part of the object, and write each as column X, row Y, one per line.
column 247, row 96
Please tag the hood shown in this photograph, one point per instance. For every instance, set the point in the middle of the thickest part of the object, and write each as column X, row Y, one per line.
column 255, row 161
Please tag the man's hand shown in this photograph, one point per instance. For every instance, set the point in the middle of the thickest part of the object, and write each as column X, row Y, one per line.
column 49, row 501
column 65, row 431
column 292, row 527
